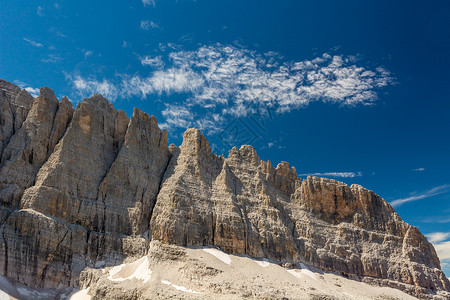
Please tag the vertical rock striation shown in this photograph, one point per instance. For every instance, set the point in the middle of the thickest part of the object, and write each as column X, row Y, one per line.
column 93, row 194
column 88, row 187
column 36, row 131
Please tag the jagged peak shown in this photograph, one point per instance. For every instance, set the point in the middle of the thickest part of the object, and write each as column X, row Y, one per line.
column 285, row 170
column 194, row 140
column 23, row 99
column 9, row 87
column 242, row 210
column 47, row 93
column 325, row 180
column 137, row 113
column 246, row 152
column 65, row 100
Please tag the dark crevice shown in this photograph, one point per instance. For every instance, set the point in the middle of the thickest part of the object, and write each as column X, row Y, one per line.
column 169, row 160
column 50, row 258
column 5, row 266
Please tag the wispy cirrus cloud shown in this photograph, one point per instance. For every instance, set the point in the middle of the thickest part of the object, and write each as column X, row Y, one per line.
column 90, row 86
column 149, row 2
column 147, row 25
column 334, row 174
column 178, row 116
column 52, row 58
column 439, row 190
column 232, row 82
column 155, row 62
column 437, row 220
column 40, row 11
column 33, row 43
column 87, row 53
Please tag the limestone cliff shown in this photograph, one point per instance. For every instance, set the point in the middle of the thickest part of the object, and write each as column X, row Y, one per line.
column 89, row 187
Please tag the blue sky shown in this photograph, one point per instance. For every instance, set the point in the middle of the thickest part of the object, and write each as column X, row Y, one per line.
column 356, row 90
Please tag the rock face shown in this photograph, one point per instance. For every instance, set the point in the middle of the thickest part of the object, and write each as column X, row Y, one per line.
column 36, row 132
column 89, row 187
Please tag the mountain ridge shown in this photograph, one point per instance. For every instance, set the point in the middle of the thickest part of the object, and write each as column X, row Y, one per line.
column 83, row 185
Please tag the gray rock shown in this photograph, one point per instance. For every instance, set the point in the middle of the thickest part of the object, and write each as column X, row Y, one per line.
column 90, row 187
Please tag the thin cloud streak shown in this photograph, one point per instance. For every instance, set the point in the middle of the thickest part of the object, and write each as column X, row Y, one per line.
column 437, row 220
column 149, row 2
column 147, row 24
column 439, row 190
column 33, row 43
column 40, row 11
column 334, row 174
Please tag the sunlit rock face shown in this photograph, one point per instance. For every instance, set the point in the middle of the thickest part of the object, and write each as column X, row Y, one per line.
column 89, row 185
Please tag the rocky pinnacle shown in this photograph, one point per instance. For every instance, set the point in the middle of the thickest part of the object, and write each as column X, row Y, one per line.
column 84, row 185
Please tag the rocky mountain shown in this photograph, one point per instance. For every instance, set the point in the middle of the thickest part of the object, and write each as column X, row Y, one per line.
column 88, row 188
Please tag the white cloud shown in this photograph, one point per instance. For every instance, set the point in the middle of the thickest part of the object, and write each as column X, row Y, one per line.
column 419, row 169
column 334, row 174
column 438, row 220
column 40, row 11
column 51, row 58
column 59, row 33
column 56, row 5
column 33, row 43
column 441, row 243
column 178, row 116
column 33, row 91
column 234, row 82
column 124, row 44
column 87, row 53
column 147, row 24
column 154, row 62
column 149, row 2
column 437, row 237
column 442, row 189
column 443, row 250
column 88, row 87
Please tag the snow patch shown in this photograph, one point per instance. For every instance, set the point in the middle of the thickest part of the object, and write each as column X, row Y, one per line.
column 100, row 264
column 219, row 254
column 263, row 263
column 307, row 271
column 4, row 296
column 135, row 270
column 303, row 272
column 180, row 288
column 80, row 295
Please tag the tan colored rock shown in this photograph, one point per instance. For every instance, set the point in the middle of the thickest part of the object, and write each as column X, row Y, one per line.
column 97, row 187
column 31, row 145
column 14, row 107
column 67, row 185
column 128, row 192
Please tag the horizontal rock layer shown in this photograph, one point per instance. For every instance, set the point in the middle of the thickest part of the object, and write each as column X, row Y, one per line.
column 79, row 187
